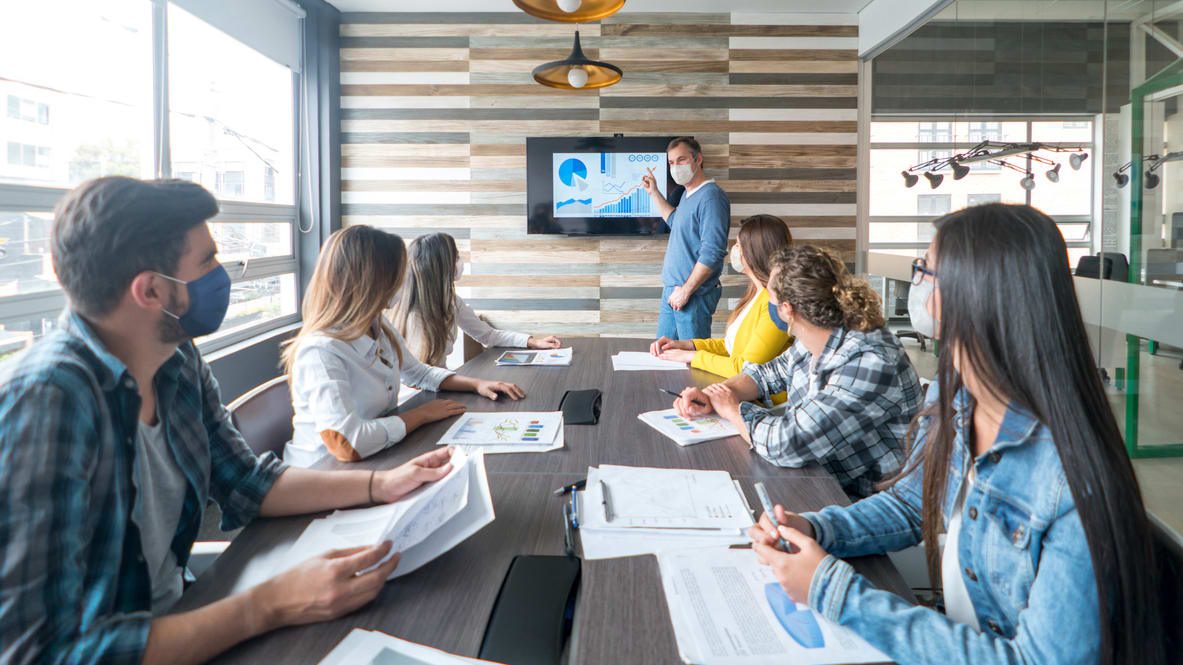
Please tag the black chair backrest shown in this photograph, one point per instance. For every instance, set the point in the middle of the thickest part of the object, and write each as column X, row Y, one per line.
column 264, row 416
column 1114, row 266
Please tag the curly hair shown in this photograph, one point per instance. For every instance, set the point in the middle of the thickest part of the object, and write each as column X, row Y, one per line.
column 822, row 291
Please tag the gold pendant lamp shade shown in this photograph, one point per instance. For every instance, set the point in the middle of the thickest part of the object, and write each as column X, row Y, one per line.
column 577, row 72
column 570, row 11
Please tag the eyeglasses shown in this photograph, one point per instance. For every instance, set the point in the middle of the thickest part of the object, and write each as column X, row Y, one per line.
column 919, row 270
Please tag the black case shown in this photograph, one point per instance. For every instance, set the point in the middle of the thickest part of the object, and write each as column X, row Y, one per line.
column 581, row 407
column 531, row 619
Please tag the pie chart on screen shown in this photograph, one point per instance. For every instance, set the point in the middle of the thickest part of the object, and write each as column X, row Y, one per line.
column 573, row 171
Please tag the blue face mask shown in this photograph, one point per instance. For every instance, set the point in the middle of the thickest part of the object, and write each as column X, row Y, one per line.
column 209, row 298
column 779, row 322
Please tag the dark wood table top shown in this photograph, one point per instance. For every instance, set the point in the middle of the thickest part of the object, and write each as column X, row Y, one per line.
column 621, row 615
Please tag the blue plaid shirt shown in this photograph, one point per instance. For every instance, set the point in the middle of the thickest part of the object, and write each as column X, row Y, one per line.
column 74, row 586
column 848, row 410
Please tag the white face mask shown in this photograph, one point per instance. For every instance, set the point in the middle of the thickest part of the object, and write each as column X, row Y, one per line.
column 918, row 297
column 459, row 268
column 736, row 258
column 682, row 173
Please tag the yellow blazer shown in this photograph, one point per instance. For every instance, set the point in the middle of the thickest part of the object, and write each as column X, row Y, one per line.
column 758, row 340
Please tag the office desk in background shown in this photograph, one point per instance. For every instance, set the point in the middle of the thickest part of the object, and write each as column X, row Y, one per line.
column 621, row 615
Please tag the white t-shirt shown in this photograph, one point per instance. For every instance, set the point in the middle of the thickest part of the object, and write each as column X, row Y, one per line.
column 472, row 325
column 348, row 388
column 733, row 327
column 958, row 605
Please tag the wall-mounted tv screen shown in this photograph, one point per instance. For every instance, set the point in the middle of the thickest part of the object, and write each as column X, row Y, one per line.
column 592, row 185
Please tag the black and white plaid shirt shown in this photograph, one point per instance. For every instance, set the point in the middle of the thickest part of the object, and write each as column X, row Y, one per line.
column 848, row 411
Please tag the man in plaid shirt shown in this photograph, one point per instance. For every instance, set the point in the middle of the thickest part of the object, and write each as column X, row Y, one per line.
column 113, row 437
column 852, row 392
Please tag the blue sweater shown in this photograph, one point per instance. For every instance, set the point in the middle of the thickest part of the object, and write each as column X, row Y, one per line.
column 698, row 234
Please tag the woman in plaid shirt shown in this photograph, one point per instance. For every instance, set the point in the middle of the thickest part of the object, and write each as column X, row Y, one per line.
column 852, row 391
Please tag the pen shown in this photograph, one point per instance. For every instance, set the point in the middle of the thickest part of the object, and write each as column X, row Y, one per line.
column 574, row 511
column 767, row 503
column 670, row 392
column 604, row 499
column 570, row 488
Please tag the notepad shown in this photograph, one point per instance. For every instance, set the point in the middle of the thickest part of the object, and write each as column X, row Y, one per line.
column 642, row 361
column 548, row 358
column 688, row 431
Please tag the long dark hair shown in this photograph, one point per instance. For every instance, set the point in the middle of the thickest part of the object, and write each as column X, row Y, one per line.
column 430, row 295
column 760, row 237
column 1009, row 312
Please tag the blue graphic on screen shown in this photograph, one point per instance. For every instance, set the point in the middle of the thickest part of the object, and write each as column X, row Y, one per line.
column 606, row 184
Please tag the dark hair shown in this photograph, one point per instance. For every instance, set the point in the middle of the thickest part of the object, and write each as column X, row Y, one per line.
column 108, row 230
column 689, row 142
column 760, row 238
column 1009, row 312
column 823, row 292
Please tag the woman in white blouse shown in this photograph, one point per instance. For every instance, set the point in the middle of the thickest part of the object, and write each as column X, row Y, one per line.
column 345, row 365
column 429, row 311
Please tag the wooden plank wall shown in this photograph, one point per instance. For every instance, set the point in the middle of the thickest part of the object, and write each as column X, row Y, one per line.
column 436, row 108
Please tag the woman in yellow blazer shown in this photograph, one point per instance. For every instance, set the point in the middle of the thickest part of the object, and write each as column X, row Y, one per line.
column 753, row 334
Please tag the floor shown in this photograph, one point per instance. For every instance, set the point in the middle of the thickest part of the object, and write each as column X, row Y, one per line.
column 1161, row 421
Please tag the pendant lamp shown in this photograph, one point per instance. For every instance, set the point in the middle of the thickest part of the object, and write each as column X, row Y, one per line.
column 577, row 72
column 570, row 11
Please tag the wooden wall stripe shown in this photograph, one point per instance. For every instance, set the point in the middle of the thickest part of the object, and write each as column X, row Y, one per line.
column 436, row 108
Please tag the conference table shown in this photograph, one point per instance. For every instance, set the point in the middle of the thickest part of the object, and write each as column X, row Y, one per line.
column 620, row 614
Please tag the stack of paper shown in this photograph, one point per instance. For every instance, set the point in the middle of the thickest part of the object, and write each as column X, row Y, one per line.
column 728, row 609
column 688, row 431
column 507, row 431
column 551, row 358
column 422, row 525
column 626, row 511
column 371, row 647
column 642, row 361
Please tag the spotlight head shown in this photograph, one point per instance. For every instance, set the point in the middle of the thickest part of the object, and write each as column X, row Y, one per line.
column 1028, row 182
column 934, row 179
column 959, row 170
column 1121, row 178
column 1053, row 174
column 1152, row 180
column 910, row 179
column 1076, row 159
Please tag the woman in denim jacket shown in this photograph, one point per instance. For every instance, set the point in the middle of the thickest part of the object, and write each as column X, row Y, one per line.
column 1017, row 455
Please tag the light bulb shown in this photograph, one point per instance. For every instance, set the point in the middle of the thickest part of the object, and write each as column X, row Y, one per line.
column 1076, row 159
column 577, row 77
column 1028, row 183
column 1054, row 174
column 570, row 6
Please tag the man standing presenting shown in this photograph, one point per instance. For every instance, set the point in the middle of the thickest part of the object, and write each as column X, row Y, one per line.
column 699, row 227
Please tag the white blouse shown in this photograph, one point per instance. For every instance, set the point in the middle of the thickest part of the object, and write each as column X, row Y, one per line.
column 472, row 325
column 342, row 393
column 733, row 327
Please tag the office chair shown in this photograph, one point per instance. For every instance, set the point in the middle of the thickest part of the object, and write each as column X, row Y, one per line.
column 264, row 417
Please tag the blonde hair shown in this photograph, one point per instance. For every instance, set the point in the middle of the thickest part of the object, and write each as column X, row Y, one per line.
column 822, row 291
column 359, row 270
column 430, row 295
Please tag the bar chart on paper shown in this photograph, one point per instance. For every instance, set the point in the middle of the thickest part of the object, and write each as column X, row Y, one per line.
column 606, row 184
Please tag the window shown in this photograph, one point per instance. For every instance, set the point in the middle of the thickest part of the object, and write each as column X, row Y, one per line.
column 231, row 111
column 979, row 199
column 931, row 205
column 230, row 184
column 65, row 120
column 900, row 217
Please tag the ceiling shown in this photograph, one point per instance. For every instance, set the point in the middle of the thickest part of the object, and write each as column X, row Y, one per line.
column 794, row 6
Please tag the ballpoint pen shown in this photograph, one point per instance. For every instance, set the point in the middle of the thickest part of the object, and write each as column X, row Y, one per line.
column 670, row 392
column 570, row 488
column 768, row 509
column 606, row 502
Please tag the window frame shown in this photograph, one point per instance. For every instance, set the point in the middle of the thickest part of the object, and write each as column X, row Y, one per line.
column 953, row 146
column 39, row 199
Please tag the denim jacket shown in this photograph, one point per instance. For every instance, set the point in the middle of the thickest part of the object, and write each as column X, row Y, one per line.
column 1025, row 560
